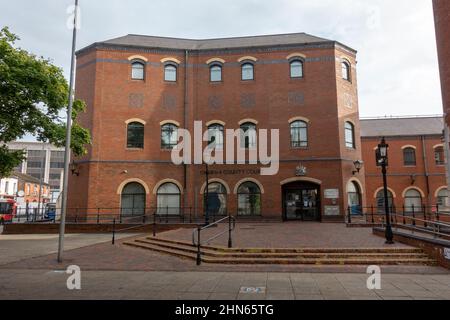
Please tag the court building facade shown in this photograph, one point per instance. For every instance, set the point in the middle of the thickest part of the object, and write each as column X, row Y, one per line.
column 140, row 89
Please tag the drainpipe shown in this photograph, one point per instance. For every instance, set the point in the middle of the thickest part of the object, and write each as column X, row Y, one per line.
column 186, row 96
column 447, row 157
column 425, row 165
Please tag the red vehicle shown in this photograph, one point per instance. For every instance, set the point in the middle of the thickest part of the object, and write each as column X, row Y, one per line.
column 8, row 209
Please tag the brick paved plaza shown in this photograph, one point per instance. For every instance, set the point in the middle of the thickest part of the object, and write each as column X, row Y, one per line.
column 28, row 269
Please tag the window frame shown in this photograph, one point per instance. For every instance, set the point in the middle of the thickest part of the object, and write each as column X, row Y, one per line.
column 167, row 65
column 347, row 65
column 221, row 129
column 407, row 152
column 239, row 193
column 141, row 63
column 169, row 146
column 134, row 123
column 302, row 63
column 243, row 140
column 346, row 129
column 245, row 63
column 214, row 65
column 437, row 160
column 291, row 128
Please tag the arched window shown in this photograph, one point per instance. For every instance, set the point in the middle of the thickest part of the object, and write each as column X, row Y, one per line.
column 442, row 197
column 168, row 198
column 215, row 135
column 169, row 136
column 248, row 138
column 380, row 201
column 345, row 70
column 350, row 135
column 299, row 134
column 137, row 70
column 133, row 200
column 296, row 67
column 135, row 135
column 217, row 199
column 215, row 73
column 247, row 71
column 439, row 156
column 409, row 157
column 354, row 198
column 413, row 201
column 170, row 73
column 249, row 199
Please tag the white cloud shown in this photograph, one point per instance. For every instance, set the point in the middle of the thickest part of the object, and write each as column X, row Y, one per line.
column 397, row 60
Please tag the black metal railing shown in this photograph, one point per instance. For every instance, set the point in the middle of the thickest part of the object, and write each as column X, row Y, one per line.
column 106, row 215
column 196, row 235
column 426, row 219
column 375, row 215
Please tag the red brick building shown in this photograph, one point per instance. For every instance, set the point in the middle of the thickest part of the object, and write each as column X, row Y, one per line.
column 416, row 170
column 140, row 89
column 442, row 23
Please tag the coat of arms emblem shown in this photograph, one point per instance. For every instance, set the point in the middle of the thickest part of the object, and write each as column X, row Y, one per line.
column 300, row 170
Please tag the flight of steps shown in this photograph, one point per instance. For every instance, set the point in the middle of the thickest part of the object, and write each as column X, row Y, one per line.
column 313, row 256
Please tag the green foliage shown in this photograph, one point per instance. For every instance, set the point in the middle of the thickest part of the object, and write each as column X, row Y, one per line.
column 33, row 94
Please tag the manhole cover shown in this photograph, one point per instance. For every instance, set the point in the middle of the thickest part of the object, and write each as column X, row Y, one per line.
column 253, row 290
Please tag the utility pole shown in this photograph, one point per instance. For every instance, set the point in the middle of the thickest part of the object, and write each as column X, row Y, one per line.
column 62, row 223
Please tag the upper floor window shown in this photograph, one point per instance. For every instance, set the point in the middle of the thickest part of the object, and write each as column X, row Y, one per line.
column 248, row 140
column 439, row 156
column 350, row 135
column 345, row 70
column 248, row 72
column 299, row 134
column 170, row 73
column 296, row 69
column 215, row 135
column 215, row 73
column 409, row 157
column 137, row 70
column 135, row 135
column 169, row 136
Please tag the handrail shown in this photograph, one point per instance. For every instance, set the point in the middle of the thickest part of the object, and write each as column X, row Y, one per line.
column 197, row 232
column 210, row 226
column 114, row 231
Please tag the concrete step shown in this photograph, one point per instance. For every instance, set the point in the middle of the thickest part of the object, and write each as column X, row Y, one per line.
column 316, row 256
column 181, row 253
column 255, row 254
column 292, row 250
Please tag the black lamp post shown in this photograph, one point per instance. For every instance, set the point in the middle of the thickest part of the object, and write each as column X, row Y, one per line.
column 207, row 195
column 382, row 159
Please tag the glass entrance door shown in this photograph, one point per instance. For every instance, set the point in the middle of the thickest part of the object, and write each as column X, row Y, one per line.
column 302, row 204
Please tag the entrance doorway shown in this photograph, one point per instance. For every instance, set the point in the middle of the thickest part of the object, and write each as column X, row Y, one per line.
column 301, row 201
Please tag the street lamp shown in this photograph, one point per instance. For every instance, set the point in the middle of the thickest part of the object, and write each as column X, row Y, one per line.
column 207, row 194
column 382, row 159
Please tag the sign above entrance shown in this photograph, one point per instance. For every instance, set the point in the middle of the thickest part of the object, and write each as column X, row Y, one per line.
column 331, row 211
column 331, row 193
column 300, row 171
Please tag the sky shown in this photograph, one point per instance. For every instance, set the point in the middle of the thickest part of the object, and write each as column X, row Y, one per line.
column 397, row 67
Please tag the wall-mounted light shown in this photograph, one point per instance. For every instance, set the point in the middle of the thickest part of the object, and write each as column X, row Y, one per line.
column 413, row 179
column 74, row 168
column 358, row 166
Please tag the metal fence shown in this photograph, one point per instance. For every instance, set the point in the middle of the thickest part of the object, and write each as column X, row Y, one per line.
column 404, row 215
column 108, row 215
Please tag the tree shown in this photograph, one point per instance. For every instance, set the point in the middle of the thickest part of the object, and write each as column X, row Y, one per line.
column 33, row 95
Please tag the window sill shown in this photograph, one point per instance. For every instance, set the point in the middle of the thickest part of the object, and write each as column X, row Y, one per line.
column 134, row 149
column 299, row 148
